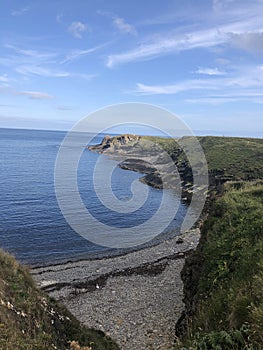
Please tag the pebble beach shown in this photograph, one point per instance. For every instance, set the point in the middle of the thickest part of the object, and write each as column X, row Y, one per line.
column 135, row 298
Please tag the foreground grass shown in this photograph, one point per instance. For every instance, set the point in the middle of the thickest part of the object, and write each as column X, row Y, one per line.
column 224, row 277
column 30, row 320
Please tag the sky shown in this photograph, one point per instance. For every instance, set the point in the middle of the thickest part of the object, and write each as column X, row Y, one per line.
column 61, row 60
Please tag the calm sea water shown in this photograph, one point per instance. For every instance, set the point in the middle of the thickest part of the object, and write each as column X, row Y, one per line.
column 32, row 227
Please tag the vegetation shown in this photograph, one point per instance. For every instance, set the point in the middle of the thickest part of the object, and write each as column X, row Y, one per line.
column 30, row 320
column 224, row 277
column 229, row 157
column 241, row 158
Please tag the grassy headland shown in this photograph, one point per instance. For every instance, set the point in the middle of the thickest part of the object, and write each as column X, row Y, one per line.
column 31, row 320
column 227, row 157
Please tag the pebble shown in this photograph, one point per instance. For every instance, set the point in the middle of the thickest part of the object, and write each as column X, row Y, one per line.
column 139, row 310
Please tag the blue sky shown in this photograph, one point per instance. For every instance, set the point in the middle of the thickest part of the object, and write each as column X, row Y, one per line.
column 201, row 59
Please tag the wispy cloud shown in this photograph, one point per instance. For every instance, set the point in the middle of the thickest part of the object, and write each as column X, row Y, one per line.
column 29, row 53
column 4, row 78
column 76, row 54
column 123, row 26
column 40, row 71
column 21, row 11
column 44, row 64
column 169, row 44
column 239, row 27
column 120, row 23
column 36, row 95
column 209, row 71
column 250, row 95
column 51, row 73
column 64, row 108
column 173, row 89
column 59, row 17
column 77, row 29
column 249, row 41
column 28, row 61
column 219, row 5
column 245, row 84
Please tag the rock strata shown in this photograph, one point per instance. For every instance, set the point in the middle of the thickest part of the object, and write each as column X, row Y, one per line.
column 142, row 155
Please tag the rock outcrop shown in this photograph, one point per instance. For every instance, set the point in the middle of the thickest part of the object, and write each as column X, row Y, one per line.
column 116, row 144
column 161, row 169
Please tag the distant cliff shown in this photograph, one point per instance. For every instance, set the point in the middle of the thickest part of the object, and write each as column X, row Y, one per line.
column 147, row 156
column 228, row 158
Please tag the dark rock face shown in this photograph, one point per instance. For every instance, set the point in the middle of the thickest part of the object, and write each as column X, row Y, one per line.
column 138, row 165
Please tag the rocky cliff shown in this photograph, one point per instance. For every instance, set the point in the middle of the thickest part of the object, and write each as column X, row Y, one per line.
column 161, row 169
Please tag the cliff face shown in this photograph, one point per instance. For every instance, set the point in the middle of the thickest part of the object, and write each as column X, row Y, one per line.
column 145, row 155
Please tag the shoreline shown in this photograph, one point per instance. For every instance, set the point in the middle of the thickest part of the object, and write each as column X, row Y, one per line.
column 114, row 253
column 135, row 298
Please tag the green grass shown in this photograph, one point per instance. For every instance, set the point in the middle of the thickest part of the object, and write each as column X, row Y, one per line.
column 30, row 320
column 240, row 158
column 224, row 277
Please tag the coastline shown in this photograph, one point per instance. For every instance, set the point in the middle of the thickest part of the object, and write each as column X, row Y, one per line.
column 135, row 298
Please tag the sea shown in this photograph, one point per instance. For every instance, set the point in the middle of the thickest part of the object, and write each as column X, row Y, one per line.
column 32, row 226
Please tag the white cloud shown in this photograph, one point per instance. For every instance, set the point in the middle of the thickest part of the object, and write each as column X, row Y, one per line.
column 36, row 95
column 239, row 26
column 249, row 41
column 4, row 78
column 77, row 29
column 223, row 61
column 31, row 53
column 123, row 26
column 29, row 62
column 219, row 5
column 209, row 71
column 64, row 108
column 51, row 73
column 119, row 22
column 169, row 44
column 173, row 89
column 21, row 11
column 76, row 54
column 40, row 71
column 59, row 17
column 244, row 84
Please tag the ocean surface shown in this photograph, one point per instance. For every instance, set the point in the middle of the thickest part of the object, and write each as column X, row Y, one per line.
column 32, row 226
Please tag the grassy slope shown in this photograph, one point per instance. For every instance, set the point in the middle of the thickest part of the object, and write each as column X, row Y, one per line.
column 241, row 158
column 224, row 277
column 227, row 270
column 29, row 319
